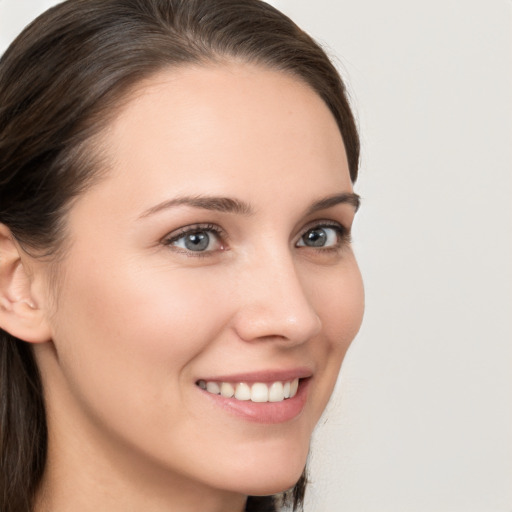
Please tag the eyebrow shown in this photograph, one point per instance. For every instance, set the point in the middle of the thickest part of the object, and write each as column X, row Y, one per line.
column 218, row 204
column 328, row 202
column 231, row 205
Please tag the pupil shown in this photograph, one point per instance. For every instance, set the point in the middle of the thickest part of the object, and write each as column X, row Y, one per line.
column 316, row 238
column 197, row 241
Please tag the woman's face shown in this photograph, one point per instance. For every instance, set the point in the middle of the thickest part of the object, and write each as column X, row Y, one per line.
column 215, row 253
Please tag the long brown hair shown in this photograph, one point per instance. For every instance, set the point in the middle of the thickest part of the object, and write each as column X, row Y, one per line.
column 61, row 81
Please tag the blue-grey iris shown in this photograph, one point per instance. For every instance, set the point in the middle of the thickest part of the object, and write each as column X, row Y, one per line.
column 198, row 241
column 315, row 238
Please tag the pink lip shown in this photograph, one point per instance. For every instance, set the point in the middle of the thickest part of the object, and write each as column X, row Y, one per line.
column 266, row 412
column 266, row 376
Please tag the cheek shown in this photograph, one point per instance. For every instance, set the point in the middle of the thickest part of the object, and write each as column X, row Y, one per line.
column 128, row 333
column 340, row 304
column 141, row 297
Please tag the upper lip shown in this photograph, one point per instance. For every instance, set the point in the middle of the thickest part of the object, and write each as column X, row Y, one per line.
column 282, row 375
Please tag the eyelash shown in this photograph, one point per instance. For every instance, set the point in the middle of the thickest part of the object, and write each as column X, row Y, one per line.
column 196, row 228
column 344, row 237
column 343, row 233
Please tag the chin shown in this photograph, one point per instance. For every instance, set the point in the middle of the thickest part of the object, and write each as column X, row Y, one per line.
column 271, row 476
column 274, row 486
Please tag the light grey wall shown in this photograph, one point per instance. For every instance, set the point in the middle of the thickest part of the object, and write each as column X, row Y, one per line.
column 422, row 418
column 15, row 14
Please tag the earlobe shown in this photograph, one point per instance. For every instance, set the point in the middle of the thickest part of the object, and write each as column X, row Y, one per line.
column 20, row 314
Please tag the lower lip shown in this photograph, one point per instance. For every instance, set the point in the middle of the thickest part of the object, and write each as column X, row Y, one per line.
column 264, row 412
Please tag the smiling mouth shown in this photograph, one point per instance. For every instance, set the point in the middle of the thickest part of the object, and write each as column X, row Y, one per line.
column 259, row 392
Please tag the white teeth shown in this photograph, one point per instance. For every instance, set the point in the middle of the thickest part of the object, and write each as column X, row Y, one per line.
column 294, row 386
column 227, row 390
column 286, row 390
column 276, row 392
column 213, row 387
column 258, row 392
column 243, row 392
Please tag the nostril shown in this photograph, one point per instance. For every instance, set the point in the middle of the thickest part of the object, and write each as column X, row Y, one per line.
column 277, row 325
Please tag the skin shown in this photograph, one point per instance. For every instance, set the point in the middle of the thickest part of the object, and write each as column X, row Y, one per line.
column 136, row 320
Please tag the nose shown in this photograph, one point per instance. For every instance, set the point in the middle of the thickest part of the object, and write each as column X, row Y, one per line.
column 274, row 304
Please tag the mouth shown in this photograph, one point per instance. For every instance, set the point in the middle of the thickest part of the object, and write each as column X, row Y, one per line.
column 258, row 392
column 266, row 397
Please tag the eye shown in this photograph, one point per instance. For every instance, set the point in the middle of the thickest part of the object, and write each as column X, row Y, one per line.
column 198, row 239
column 322, row 236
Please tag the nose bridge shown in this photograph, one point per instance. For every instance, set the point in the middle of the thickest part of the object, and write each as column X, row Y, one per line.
column 274, row 302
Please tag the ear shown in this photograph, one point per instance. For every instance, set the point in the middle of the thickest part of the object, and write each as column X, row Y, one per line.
column 20, row 314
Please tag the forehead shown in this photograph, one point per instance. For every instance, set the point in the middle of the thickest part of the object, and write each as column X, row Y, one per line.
column 224, row 124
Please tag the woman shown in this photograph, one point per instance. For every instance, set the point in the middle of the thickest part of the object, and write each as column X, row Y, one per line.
column 177, row 284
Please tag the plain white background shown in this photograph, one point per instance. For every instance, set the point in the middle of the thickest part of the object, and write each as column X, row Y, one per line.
column 422, row 417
